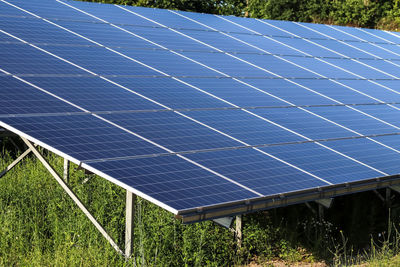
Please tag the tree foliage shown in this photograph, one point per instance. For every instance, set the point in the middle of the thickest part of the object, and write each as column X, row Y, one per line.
column 222, row 7
column 383, row 14
column 361, row 13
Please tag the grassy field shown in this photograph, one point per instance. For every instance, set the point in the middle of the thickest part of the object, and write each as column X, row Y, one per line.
column 41, row 226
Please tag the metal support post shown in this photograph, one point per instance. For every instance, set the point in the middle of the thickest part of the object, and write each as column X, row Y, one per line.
column 311, row 208
column 388, row 197
column 239, row 235
column 379, row 195
column 129, row 222
column 72, row 195
column 15, row 162
column 321, row 212
column 66, row 170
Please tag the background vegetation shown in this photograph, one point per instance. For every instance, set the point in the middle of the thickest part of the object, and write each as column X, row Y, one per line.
column 381, row 14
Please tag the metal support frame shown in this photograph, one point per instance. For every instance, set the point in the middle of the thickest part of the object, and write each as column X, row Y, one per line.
column 129, row 222
column 388, row 198
column 282, row 200
column 395, row 188
column 326, row 202
column 310, row 208
column 379, row 195
column 15, row 162
column 320, row 212
column 322, row 204
column 72, row 195
column 66, row 170
column 130, row 198
column 238, row 232
column 224, row 222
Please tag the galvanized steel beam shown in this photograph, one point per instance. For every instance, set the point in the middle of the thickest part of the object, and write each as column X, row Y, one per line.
column 129, row 222
column 66, row 170
column 73, row 196
column 15, row 162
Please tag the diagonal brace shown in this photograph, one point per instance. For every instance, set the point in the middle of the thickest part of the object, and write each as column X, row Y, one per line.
column 15, row 162
column 73, row 196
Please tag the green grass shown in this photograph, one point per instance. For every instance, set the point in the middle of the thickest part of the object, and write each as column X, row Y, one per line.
column 41, row 226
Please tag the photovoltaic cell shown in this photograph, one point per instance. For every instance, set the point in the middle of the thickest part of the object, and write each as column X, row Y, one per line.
column 311, row 156
column 173, row 181
column 21, row 58
column 171, row 92
column 37, row 31
column 172, row 130
column 195, row 110
column 292, row 90
column 48, row 9
column 370, row 153
column 336, row 90
column 20, row 98
column 93, row 93
column 385, row 90
column 241, row 164
column 83, row 137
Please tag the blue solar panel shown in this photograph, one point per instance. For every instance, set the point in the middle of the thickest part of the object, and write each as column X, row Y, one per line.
column 173, row 181
column 355, row 120
column 191, row 110
column 170, row 92
column 20, row 98
column 93, row 93
column 25, row 59
column 391, row 37
column 370, row 153
column 172, row 130
column 385, row 90
column 82, row 137
column 337, row 169
column 37, row 31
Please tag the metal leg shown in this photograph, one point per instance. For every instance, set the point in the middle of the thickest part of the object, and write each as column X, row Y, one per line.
column 239, row 235
column 129, row 222
column 73, row 196
column 66, row 170
column 388, row 197
column 321, row 212
column 311, row 208
column 15, row 162
column 379, row 195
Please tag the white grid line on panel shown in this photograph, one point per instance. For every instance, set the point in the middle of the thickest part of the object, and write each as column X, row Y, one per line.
column 263, row 152
column 331, row 64
column 337, row 124
column 194, row 29
column 359, row 38
column 342, row 154
column 359, row 49
column 128, row 131
column 336, row 52
column 248, row 84
column 187, row 159
column 260, row 117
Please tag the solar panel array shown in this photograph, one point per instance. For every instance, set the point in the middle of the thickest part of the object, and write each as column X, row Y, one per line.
column 194, row 111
